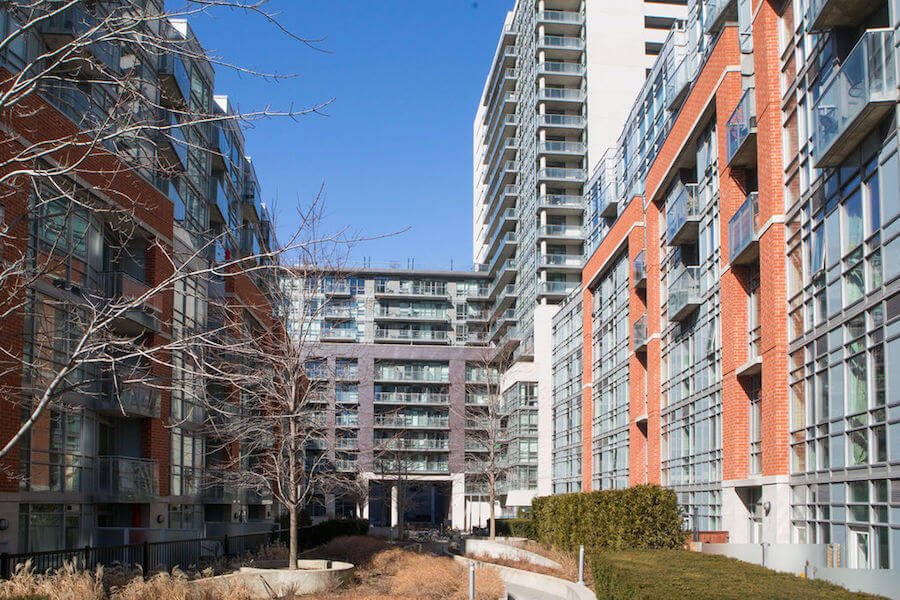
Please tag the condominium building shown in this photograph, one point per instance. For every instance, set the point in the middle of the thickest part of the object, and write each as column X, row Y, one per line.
column 739, row 304
column 110, row 462
column 405, row 364
column 559, row 65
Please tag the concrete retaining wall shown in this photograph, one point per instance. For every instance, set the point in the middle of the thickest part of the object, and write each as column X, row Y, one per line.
column 272, row 578
column 552, row 586
column 499, row 549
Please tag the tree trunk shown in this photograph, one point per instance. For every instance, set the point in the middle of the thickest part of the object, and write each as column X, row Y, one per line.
column 491, row 496
column 292, row 496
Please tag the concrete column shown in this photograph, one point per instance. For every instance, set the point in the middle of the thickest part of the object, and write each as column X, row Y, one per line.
column 395, row 506
column 458, row 500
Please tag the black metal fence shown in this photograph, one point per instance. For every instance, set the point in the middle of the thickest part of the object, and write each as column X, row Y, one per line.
column 151, row 556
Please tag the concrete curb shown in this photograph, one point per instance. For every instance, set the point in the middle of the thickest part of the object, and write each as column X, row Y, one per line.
column 537, row 581
column 500, row 548
column 270, row 578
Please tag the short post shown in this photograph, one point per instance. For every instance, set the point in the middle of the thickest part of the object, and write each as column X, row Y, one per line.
column 471, row 581
column 87, row 557
column 4, row 566
column 581, row 564
column 146, row 558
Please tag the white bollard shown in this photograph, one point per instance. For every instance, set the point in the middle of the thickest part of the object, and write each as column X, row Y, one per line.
column 581, row 564
column 471, row 581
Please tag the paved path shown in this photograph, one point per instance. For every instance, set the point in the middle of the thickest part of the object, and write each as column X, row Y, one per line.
column 517, row 592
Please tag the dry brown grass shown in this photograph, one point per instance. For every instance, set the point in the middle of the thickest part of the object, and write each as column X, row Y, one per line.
column 568, row 568
column 524, row 565
column 68, row 583
column 356, row 549
column 398, row 574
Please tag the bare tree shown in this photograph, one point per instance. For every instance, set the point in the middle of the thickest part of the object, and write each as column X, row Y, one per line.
column 100, row 115
column 486, row 466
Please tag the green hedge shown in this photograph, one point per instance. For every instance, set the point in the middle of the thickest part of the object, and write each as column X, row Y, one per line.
column 324, row 532
column 515, row 528
column 679, row 574
column 645, row 516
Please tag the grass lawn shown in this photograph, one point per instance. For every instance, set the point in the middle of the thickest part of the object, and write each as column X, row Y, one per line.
column 680, row 574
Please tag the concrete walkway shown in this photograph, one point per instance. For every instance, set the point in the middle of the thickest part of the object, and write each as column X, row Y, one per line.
column 520, row 592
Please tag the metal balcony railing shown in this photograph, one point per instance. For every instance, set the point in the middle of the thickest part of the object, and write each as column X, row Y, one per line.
column 858, row 96
column 741, row 131
column 401, row 421
column 123, row 288
column 421, row 335
column 557, row 288
column 560, row 16
column 561, row 94
column 561, row 147
column 561, row 231
column 133, row 394
column 561, row 41
column 742, row 232
column 561, row 68
column 411, row 398
column 552, row 120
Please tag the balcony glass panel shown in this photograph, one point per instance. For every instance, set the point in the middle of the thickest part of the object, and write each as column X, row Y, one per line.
column 562, row 41
column 558, row 287
column 639, row 334
column 561, row 231
column 562, row 120
column 640, row 269
column 423, row 335
column 126, row 476
column 567, row 94
column 561, row 68
column 561, row 200
column 859, row 94
column 742, row 125
column 558, row 147
column 684, row 293
column 742, row 227
column 561, row 174
column 560, row 16
column 682, row 214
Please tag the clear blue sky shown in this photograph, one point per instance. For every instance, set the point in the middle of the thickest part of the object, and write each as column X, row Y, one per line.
column 396, row 148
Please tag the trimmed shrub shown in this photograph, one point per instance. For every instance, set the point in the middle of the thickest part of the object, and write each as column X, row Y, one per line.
column 515, row 528
column 678, row 574
column 644, row 516
column 324, row 532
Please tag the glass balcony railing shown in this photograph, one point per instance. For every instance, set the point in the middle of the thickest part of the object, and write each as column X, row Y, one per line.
column 413, row 313
column 639, row 270
column 742, row 232
column 559, row 147
column 398, row 420
column 561, row 174
column 741, row 131
column 391, row 373
column 411, row 398
column 677, row 82
column 639, row 334
column 560, row 16
column 858, row 96
column 412, row 444
column 220, row 199
column 132, row 393
column 551, row 120
column 682, row 215
column 684, row 293
column 346, row 421
column 346, row 443
column 411, row 335
column 557, row 288
column 716, row 12
column 561, row 94
column 561, row 41
column 608, row 201
column 123, row 288
column 560, row 68
column 174, row 81
column 560, row 260
column 127, row 477
column 561, row 200
column 342, row 334
column 561, row 231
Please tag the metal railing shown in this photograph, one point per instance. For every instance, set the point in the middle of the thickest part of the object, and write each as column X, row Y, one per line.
column 639, row 271
column 683, row 209
column 742, row 123
column 684, row 293
column 127, row 476
column 742, row 227
column 411, row 398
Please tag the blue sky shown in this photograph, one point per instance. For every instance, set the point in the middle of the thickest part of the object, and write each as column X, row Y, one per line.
column 396, row 148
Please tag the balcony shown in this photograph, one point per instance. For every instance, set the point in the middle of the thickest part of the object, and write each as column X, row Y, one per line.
column 412, row 444
column 860, row 94
column 684, row 294
column 173, row 79
column 556, row 288
column 60, row 30
column 561, row 174
column 346, row 420
column 219, row 201
column 560, row 16
column 123, row 289
column 741, row 132
column 412, row 398
column 682, row 215
column 394, row 421
column 411, row 374
column 171, row 145
column 346, row 443
column 716, row 13
column 130, row 395
column 608, row 201
column 345, row 465
column 561, row 147
column 828, row 14
column 743, row 240
column 421, row 336
column 339, row 334
column 337, row 313
column 560, row 261
column 639, row 335
column 678, row 83
column 561, row 42
column 403, row 313
column 573, row 232
column 561, row 121
column 639, row 271
column 553, row 94
column 561, row 201
column 414, row 289
column 127, row 478
column 552, row 67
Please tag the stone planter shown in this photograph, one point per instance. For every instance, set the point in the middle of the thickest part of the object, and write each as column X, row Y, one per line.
column 271, row 578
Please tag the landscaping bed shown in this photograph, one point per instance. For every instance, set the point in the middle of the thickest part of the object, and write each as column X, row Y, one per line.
column 679, row 574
